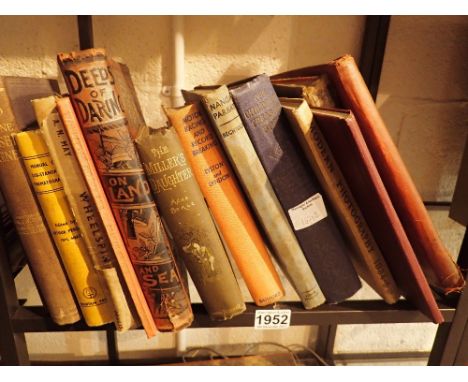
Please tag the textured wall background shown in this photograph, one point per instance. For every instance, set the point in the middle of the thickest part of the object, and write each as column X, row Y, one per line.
column 422, row 97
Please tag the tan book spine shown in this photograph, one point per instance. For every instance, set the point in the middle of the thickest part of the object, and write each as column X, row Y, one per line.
column 96, row 308
column 37, row 243
column 82, row 205
column 95, row 99
column 78, row 142
column 223, row 195
column 232, row 134
column 367, row 257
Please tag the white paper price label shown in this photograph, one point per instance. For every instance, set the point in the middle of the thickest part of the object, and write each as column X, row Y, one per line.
column 272, row 319
column 309, row 212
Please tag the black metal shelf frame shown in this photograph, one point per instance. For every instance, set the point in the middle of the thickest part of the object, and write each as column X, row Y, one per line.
column 451, row 342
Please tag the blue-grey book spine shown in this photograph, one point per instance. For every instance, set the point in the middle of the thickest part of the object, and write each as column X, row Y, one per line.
column 297, row 188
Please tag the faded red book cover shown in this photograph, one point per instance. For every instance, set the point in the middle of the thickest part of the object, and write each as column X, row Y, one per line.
column 345, row 140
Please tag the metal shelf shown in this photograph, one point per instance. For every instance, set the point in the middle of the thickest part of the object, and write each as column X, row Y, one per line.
column 451, row 343
column 35, row 318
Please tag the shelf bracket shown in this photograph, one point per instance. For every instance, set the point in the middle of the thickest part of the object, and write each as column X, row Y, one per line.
column 373, row 50
column 326, row 342
column 449, row 347
column 13, row 349
column 85, row 32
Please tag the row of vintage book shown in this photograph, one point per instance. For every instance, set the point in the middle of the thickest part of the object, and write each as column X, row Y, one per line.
column 298, row 166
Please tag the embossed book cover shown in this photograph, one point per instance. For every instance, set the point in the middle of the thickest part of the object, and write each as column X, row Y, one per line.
column 96, row 102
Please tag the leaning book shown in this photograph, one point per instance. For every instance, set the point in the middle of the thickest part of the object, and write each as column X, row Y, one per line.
column 83, row 207
column 97, row 310
column 37, row 243
column 105, row 127
column 254, row 180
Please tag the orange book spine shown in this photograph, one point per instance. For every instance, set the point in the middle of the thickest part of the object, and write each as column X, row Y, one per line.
column 91, row 176
column 223, row 195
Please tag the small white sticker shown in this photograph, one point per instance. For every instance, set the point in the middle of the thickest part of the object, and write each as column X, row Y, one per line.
column 272, row 319
column 309, row 212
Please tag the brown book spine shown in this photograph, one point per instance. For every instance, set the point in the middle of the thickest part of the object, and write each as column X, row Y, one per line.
column 355, row 161
column 96, row 102
column 40, row 251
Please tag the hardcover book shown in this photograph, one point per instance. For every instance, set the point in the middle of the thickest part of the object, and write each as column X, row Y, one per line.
column 254, row 180
column 353, row 94
column 225, row 200
column 186, row 214
column 83, row 208
column 97, row 310
column 91, row 84
column 345, row 140
column 297, row 188
column 367, row 257
column 83, row 156
column 42, row 256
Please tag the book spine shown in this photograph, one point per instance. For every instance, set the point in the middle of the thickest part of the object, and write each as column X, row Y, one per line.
column 439, row 266
column 83, row 156
column 184, row 210
column 297, row 189
column 224, row 198
column 236, row 142
column 92, row 91
column 96, row 309
column 82, row 205
column 37, row 243
column 366, row 256
column 352, row 155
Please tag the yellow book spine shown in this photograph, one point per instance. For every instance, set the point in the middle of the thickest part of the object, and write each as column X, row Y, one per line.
column 48, row 187
column 83, row 208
